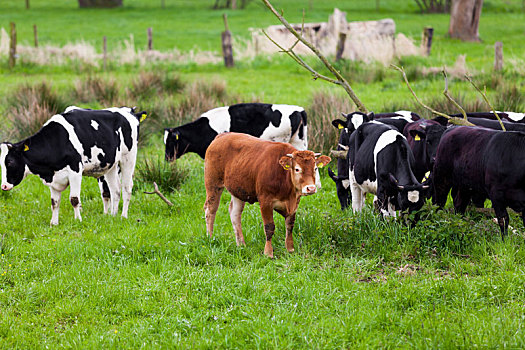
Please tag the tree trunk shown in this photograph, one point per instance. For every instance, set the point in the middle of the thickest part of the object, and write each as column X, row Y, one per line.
column 99, row 3
column 464, row 19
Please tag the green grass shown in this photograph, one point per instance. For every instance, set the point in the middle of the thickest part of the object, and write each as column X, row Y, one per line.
column 156, row 280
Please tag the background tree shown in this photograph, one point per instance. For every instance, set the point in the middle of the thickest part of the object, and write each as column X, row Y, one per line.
column 464, row 19
column 99, row 3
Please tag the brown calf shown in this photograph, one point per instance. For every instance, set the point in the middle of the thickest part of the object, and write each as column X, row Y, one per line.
column 274, row 174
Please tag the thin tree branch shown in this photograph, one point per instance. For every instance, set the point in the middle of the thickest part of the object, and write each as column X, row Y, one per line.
column 488, row 102
column 453, row 120
column 447, row 95
column 339, row 78
column 157, row 192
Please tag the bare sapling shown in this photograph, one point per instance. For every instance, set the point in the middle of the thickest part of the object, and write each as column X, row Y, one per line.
column 158, row 193
column 484, row 95
column 339, row 79
column 452, row 120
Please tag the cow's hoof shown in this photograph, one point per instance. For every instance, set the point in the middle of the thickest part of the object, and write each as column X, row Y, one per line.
column 291, row 250
column 53, row 223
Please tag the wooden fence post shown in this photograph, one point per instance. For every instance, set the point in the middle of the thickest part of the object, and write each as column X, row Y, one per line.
column 426, row 41
column 105, row 52
column 35, row 34
column 498, row 56
column 150, row 39
column 340, row 48
column 163, row 3
column 227, row 50
column 27, row 4
column 12, row 45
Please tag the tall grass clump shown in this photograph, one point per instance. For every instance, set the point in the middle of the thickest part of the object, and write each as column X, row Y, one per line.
column 168, row 176
column 97, row 89
column 442, row 104
column 509, row 98
column 325, row 107
column 149, row 84
column 30, row 106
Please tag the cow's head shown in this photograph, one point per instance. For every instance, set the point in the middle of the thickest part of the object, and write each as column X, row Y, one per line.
column 409, row 197
column 12, row 164
column 176, row 144
column 302, row 166
column 353, row 121
column 424, row 140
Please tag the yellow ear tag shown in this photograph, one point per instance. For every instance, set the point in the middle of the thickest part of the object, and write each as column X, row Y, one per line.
column 176, row 136
column 320, row 165
column 286, row 167
column 417, row 138
column 427, row 175
column 340, row 126
column 26, row 148
column 142, row 117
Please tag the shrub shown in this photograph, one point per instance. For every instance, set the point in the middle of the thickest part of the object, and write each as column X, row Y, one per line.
column 30, row 106
column 168, row 176
column 148, row 84
column 97, row 89
column 322, row 135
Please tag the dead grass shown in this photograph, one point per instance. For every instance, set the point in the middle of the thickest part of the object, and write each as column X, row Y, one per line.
column 95, row 89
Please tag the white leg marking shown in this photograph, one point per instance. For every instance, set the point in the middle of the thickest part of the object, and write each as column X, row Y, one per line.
column 236, row 207
column 75, row 182
column 55, row 205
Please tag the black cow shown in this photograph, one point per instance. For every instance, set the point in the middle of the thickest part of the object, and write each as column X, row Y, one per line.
column 507, row 116
column 423, row 137
column 495, row 125
column 481, row 163
column 75, row 143
column 397, row 119
column 380, row 162
column 272, row 122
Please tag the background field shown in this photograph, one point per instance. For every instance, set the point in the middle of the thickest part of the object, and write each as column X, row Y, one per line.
column 157, row 280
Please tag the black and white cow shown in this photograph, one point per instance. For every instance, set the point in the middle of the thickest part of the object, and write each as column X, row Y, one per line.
column 75, row 143
column 478, row 163
column 353, row 120
column 507, row 116
column 380, row 162
column 273, row 122
column 495, row 125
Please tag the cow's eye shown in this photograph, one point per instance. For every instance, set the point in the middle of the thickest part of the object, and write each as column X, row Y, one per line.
column 297, row 170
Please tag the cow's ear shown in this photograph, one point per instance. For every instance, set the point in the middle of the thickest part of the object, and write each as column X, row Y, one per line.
column 286, row 162
column 321, row 161
column 339, row 124
column 370, row 116
column 393, row 181
column 417, row 135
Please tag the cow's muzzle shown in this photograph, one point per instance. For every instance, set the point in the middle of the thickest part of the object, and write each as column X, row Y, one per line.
column 7, row 187
column 309, row 189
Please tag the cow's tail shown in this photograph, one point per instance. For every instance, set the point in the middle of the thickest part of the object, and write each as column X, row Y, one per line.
column 304, row 128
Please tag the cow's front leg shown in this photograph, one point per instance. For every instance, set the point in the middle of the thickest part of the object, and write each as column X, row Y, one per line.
column 236, row 207
column 75, row 183
column 269, row 227
column 55, row 205
column 127, row 169
column 503, row 218
column 290, row 221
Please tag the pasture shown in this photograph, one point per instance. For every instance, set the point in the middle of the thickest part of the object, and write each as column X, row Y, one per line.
column 156, row 280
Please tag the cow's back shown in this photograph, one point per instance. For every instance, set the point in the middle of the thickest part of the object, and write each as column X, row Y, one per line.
column 246, row 165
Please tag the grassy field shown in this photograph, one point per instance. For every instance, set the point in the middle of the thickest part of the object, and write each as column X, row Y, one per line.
column 156, row 280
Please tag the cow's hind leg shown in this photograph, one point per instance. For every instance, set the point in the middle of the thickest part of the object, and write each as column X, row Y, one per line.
column 290, row 222
column 104, row 193
column 112, row 180
column 213, row 199
column 75, row 183
column 55, row 205
column 236, row 207
column 127, row 169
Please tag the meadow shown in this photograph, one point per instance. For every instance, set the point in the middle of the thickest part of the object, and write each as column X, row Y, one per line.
column 155, row 280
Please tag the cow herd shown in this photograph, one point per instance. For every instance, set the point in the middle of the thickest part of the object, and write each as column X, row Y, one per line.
column 258, row 152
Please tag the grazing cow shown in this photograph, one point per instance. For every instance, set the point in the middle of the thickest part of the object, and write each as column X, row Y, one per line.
column 423, row 138
column 397, row 119
column 380, row 162
column 483, row 163
column 272, row 122
column 75, row 143
column 274, row 174
column 507, row 116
